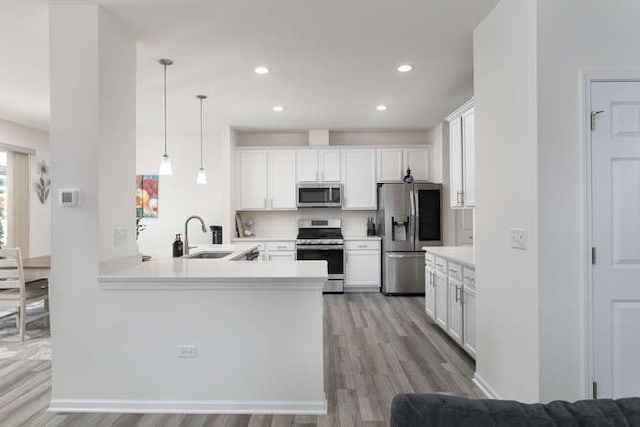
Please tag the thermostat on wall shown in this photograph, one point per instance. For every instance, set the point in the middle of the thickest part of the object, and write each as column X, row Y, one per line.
column 68, row 197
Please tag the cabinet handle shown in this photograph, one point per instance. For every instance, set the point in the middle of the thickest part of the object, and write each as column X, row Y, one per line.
column 271, row 204
column 362, row 246
column 459, row 197
column 457, row 296
column 265, row 203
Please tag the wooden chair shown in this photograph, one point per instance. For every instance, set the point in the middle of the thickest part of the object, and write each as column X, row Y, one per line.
column 15, row 292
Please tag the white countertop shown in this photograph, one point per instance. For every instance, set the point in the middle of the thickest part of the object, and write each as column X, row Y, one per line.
column 291, row 239
column 462, row 254
column 263, row 239
column 164, row 272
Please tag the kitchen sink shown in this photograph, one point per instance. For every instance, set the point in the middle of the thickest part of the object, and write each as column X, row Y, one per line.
column 208, row 255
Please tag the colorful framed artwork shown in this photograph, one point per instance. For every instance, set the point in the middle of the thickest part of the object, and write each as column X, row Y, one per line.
column 147, row 196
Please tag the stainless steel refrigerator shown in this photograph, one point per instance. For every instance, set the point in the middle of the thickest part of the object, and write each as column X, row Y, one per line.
column 409, row 217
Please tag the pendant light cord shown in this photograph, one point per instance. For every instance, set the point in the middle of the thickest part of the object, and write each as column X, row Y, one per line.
column 165, row 109
column 201, row 144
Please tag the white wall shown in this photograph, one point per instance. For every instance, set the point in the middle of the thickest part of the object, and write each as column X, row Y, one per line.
column 179, row 196
column 573, row 36
column 506, row 182
column 39, row 214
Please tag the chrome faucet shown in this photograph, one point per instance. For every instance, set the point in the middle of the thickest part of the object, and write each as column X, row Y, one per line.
column 186, row 232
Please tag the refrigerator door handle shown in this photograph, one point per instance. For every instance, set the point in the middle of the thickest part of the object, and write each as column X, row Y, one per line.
column 412, row 202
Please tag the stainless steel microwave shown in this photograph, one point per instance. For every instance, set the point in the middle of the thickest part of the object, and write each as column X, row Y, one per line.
column 320, row 195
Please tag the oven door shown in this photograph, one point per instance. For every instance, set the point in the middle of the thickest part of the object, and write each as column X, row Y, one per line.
column 334, row 255
column 319, row 196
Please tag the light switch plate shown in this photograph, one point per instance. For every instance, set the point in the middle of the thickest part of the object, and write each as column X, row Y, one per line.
column 120, row 235
column 519, row 238
column 187, row 351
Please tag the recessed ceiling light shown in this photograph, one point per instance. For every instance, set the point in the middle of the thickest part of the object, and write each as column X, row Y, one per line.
column 278, row 108
column 261, row 70
column 405, row 68
column 381, row 107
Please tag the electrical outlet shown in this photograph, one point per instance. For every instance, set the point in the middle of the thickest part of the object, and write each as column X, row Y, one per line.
column 518, row 238
column 187, row 351
column 120, row 235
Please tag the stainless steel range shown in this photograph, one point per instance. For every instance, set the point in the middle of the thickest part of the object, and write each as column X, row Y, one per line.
column 321, row 239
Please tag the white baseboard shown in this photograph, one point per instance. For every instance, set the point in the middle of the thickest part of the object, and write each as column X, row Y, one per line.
column 312, row 407
column 485, row 387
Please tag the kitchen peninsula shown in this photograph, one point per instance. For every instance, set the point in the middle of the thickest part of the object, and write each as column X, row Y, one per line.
column 206, row 335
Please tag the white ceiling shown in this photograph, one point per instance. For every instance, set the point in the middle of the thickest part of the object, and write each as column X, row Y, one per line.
column 331, row 61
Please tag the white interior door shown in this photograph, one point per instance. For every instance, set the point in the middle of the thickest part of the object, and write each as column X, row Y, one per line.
column 616, row 236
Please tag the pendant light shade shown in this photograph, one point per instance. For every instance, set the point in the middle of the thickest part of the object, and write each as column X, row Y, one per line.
column 165, row 165
column 165, row 160
column 202, row 174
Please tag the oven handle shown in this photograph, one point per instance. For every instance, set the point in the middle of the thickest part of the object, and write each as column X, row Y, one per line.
column 320, row 247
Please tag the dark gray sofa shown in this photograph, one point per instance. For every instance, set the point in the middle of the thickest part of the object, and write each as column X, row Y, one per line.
column 434, row 410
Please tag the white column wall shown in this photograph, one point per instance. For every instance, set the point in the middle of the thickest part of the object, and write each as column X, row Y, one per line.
column 92, row 149
column 506, row 182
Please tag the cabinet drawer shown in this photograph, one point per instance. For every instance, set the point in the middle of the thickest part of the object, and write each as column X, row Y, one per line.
column 455, row 271
column 281, row 246
column 429, row 260
column 441, row 264
column 469, row 277
column 362, row 245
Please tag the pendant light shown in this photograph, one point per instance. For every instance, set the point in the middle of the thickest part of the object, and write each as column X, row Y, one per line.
column 165, row 161
column 202, row 174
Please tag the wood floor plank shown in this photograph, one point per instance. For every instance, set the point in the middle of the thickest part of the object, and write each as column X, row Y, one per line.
column 374, row 348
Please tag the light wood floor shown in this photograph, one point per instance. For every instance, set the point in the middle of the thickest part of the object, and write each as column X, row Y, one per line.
column 375, row 347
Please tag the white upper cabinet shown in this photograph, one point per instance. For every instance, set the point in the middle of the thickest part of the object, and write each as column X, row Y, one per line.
column 468, row 161
column 462, row 157
column 390, row 166
column 307, row 165
column 267, row 179
column 253, row 179
column 282, row 179
column 359, row 179
column 419, row 161
column 329, row 165
column 318, row 165
column 392, row 163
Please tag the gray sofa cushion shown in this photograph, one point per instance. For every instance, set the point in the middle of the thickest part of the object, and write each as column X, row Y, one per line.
column 433, row 410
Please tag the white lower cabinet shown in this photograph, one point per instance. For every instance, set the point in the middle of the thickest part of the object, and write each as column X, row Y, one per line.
column 440, row 285
column 454, row 307
column 450, row 299
column 281, row 250
column 469, row 318
column 430, row 292
column 362, row 266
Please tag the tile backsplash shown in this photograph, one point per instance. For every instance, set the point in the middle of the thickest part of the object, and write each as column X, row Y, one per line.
column 285, row 223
